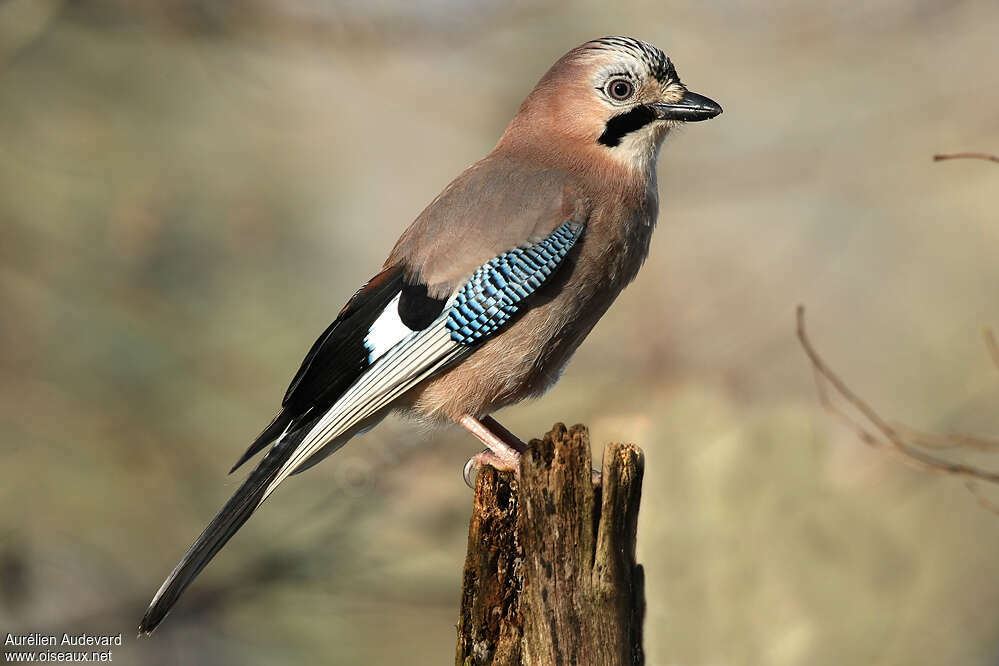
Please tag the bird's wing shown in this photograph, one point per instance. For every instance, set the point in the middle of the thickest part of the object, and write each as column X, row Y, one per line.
column 496, row 205
column 397, row 358
column 474, row 312
column 335, row 361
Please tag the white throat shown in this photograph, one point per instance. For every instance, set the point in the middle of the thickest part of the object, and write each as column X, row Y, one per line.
column 639, row 150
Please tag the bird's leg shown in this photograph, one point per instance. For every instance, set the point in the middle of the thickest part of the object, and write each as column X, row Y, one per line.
column 508, row 437
column 504, row 448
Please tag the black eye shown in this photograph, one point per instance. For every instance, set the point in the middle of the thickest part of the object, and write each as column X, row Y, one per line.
column 620, row 89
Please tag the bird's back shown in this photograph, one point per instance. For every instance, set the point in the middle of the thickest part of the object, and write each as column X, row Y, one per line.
column 498, row 203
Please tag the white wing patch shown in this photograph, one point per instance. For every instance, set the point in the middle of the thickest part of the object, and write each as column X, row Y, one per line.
column 387, row 331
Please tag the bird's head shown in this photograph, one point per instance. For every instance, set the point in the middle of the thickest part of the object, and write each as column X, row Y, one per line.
column 617, row 96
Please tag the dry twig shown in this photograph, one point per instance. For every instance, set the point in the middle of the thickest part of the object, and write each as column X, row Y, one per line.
column 966, row 156
column 982, row 499
column 992, row 345
column 909, row 453
column 953, row 440
column 898, row 434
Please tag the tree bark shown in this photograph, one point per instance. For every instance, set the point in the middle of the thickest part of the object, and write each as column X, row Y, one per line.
column 550, row 576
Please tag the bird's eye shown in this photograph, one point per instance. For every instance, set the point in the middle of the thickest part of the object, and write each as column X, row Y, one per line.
column 620, row 89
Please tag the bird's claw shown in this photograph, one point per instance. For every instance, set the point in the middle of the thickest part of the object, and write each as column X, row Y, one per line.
column 466, row 472
column 492, row 459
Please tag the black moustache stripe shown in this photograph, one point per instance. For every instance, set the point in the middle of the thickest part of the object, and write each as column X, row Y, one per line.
column 624, row 123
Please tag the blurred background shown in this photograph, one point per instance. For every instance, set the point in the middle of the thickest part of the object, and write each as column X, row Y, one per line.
column 190, row 190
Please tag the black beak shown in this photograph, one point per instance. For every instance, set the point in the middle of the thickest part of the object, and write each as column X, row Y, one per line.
column 691, row 108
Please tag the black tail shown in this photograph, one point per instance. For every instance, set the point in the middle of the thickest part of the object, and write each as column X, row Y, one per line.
column 232, row 516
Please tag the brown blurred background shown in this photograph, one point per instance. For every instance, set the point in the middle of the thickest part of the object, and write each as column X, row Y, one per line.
column 190, row 190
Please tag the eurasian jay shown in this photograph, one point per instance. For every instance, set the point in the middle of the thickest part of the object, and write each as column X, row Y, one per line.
column 488, row 293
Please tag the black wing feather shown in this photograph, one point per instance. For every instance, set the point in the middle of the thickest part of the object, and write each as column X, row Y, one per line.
column 335, row 361
column 269, row 434
column 340, row 349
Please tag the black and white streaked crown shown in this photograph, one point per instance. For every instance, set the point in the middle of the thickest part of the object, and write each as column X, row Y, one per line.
column 659, row 64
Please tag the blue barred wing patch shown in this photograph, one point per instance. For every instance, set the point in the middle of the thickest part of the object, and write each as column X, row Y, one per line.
column 496, row 290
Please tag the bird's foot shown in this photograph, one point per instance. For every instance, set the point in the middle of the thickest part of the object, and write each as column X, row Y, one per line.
column 503, row 463
column 504, row 447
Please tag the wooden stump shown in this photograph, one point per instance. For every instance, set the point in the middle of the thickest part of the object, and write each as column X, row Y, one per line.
column 550, row 576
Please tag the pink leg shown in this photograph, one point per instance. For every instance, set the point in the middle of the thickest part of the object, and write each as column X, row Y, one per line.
column 504, row 434
column 504, row 447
